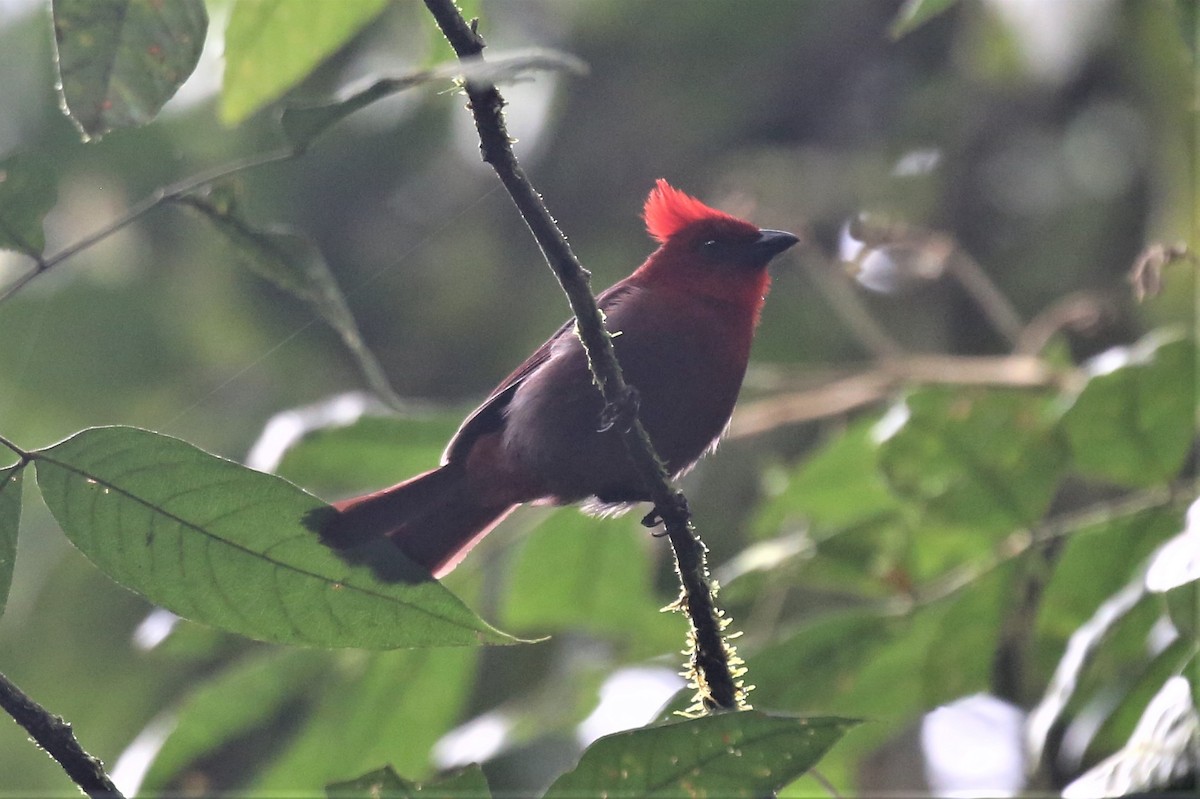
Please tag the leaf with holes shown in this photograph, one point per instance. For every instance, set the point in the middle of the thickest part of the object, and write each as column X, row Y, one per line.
column 10, row 518
column 119, row 61
column 224, row 545
column 747, row 754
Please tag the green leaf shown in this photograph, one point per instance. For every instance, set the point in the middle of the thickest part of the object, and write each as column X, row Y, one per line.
column 384, row 783
column 374, row 707
column 915, row 13
column 840, row 485
column 987, row 460
column 327, row 715
column 371, row 452
column 119, row 61
column 272, row 45
column 243, row 698
column 27, row 193
column 1134, row 423
column 293, row 263
column 224, row 545
column 579, row 572
column 749, row 754
column 10, row 519
column 1159, row 754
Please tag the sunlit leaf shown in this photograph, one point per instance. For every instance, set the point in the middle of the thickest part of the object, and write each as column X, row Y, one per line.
column 272, row 45
column 119, row 61
column 1133, row 423
column 1177, row 562
column 292, row 262
column 245, row 697
column 10, row 518
column 748, row 754
column 1080, row 649
column 1161, row 750
column 224, row 545
column 990, row 460
column 384, row 783
column 27, row 193
column 915, row 13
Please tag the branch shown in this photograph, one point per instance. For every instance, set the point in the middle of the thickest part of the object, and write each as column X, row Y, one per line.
column 55, row 736
column 710, row 656
column 162, row 195
column 876, row 383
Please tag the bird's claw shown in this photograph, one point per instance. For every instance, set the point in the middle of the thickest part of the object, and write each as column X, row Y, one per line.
column 620, row 413
column 654, row 518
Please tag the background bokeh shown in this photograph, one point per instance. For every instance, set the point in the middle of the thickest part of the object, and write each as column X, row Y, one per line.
column 1050, row 140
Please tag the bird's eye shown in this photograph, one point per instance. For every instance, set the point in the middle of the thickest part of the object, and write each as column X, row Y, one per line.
column 710, row 244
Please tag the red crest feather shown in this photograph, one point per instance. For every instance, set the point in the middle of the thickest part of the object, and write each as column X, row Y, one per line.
column 668, row 210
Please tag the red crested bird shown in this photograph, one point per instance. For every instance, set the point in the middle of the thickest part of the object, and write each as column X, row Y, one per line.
column 682, row 326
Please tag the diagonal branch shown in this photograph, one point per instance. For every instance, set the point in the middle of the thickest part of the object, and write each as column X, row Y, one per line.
column 55, row 736
column 711, row 658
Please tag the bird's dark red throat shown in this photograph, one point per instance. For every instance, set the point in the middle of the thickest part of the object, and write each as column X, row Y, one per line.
column 683, row 323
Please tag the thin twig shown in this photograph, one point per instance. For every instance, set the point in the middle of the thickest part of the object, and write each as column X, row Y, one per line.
column 55, row 736
column 995, row 306
column 836, row 289
column 710, row 656
column 140, row 209
column 876, row 383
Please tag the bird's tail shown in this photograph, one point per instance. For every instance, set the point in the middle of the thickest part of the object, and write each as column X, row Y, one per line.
column 433, row 518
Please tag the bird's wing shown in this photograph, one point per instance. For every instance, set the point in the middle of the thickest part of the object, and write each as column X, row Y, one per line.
column 489, row 417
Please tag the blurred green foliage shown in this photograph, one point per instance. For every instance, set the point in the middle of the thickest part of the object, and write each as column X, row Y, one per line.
column 941, row 538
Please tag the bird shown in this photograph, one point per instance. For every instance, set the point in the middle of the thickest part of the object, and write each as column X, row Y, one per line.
column 681, row 324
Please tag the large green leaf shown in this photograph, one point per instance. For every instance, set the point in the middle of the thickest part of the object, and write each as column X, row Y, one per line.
column 27, row 193
column 272, row 45
column 1133, row 424
column 749, row 754
column 227, row 546
column 985, row 460
column 119, row 61
column 10, row 518
column 385, row 783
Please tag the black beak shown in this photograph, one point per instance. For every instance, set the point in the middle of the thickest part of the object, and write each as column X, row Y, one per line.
column 772, row 242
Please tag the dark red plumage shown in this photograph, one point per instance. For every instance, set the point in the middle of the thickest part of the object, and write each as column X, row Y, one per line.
column 682, row 323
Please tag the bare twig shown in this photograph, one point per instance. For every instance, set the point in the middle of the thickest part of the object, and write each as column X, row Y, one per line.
column 874, row 384
column 995, row 306
column 710, row 656
column 55, row 736
column 135, row 212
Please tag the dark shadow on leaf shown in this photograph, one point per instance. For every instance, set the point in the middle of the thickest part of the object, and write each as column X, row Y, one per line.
column 380, row 555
